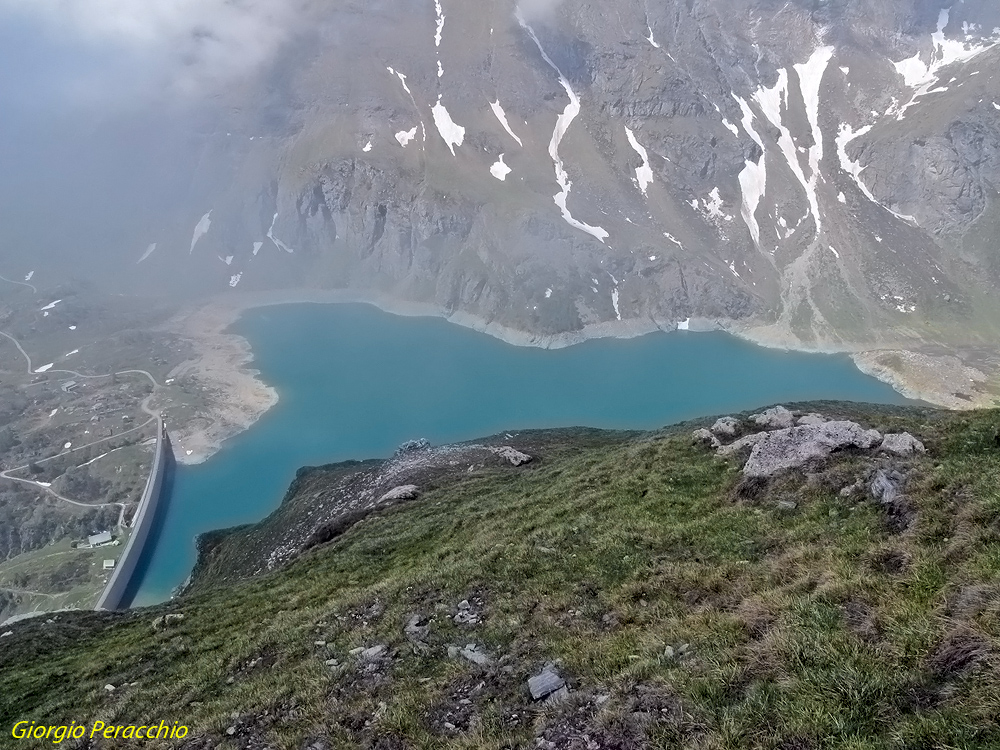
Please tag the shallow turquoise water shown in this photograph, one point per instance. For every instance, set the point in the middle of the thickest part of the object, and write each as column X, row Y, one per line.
column 355, row 382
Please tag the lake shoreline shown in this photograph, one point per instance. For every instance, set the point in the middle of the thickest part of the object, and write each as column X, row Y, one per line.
column 223, row 363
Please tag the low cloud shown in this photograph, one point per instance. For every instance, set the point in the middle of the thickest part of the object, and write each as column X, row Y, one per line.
column 196, row 45
column 537, row 10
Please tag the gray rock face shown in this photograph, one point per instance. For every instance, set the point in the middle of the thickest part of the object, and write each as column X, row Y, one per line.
column 403, row 492
column 741, row 446
column 725, row 427
column 902, row 444
column 413, row 445
column 701, row 435
column 374, row 652
column 774, row 418
column 515, row 457
column 473, row 653
column 884, row 486
column 810, row 419
column 417, row 627
column 793, row 447
column 545, row 683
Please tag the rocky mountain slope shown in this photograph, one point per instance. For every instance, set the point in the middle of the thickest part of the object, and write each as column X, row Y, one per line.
column 811, row 174
column 822, row 576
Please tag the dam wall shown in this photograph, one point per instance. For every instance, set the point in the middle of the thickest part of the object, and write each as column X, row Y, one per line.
column 114, row 596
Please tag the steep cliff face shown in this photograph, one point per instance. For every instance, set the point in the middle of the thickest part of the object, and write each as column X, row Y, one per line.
column 817, row 173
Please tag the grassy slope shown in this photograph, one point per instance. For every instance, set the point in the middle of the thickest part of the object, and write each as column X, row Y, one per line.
column 812, row 628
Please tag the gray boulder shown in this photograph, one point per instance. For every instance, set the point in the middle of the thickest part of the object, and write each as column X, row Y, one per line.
column 741, row 446
column 403, row 492
column 725, row 427
column 902, row 444
column 473, row 653
column 545, row 683
column 515, row 457
column 884, row 486
column 411, row 446
column 810, row 419
column 701, row 435
column 775, row 418
column 793, row 447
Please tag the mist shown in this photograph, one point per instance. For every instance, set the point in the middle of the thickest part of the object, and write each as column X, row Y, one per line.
column 538, row 10
column 183, row 47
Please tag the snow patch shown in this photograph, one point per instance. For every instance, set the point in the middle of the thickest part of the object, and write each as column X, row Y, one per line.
column 270, row 235
column 643, row 173
column 499, row 169
column 149, row 251
column 235, row 278
column 841, row 197
column 548, row 293
column 834, row 251
column 45, row 368
column 51, row 305
column 70, row 354
column 614, row 303
column 405, row 136
column 200, row 229
column 753, row 177
column 921, row 76
column 712, row 206
column 854, row 169
column 729, row 126
column 32, row 273
column 228, row 260
column 502, row 117
column 257, row 246
column 684, row 325
column 367, row 147
column 440, row 23
column 453, row 134
column 562, row 125
column 650, row 37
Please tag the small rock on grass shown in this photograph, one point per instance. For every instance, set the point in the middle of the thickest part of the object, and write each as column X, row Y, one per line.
column 545, row 683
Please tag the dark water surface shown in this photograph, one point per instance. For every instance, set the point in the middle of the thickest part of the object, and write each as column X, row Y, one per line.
column 355, row 382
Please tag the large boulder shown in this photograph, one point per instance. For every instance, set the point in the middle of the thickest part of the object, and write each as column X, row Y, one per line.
column 775, row 418
column 902, row 444
column 725, row 427
column 810, row 419
column 741, row 446
column 705, row 437
column 512, row 455
column 793, row 447
column 402, row 492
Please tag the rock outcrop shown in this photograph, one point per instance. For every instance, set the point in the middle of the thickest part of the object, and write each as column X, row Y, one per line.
column 902, row 444
column 725, row 427
column 774, row 418
column 792, row 447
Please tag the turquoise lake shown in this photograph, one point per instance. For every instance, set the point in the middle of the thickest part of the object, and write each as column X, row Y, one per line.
column 355, row 382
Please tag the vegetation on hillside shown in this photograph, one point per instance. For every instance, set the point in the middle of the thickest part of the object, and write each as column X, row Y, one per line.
column 684, row 608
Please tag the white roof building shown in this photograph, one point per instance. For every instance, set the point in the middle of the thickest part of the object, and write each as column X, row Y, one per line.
column 96, row 539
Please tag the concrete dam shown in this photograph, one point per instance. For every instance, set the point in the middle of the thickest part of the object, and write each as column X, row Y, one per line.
column 117, row 592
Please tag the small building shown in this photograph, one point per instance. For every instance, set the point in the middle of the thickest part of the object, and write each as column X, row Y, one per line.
column 109, row 564
column 95, row 540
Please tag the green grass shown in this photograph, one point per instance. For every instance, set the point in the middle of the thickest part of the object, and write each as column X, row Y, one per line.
column 817, row 627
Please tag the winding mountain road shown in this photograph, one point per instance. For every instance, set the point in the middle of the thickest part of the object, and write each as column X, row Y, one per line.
column 144, row 405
